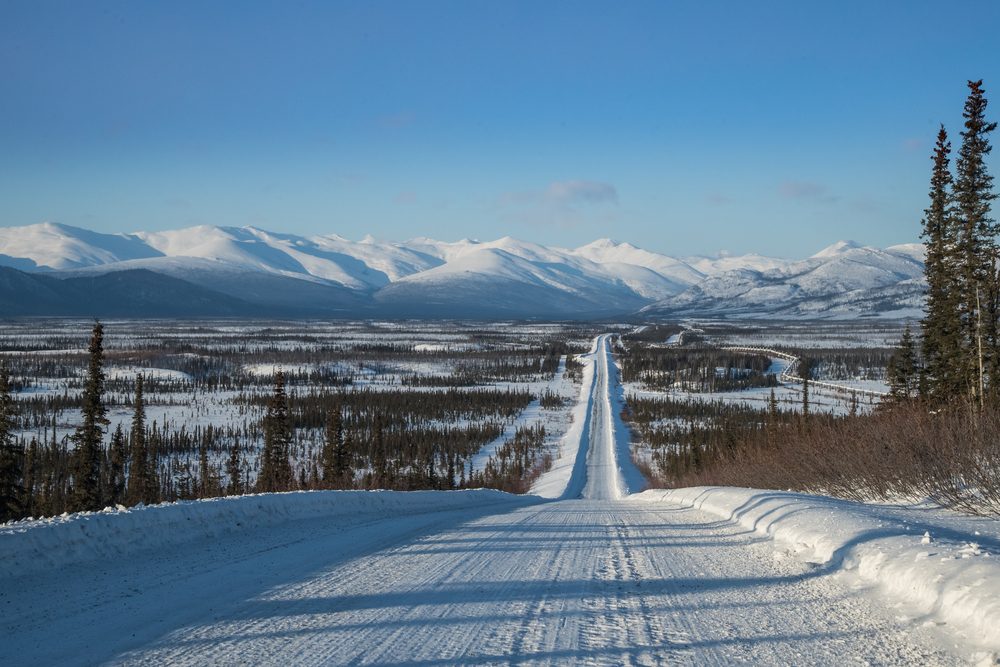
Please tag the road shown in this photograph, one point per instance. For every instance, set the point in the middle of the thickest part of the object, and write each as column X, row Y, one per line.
column 595, row 580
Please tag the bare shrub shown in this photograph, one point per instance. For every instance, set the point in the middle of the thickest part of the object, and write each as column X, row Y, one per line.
column 951, row 456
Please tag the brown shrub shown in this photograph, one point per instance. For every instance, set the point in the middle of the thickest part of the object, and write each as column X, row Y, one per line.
column 951, row 456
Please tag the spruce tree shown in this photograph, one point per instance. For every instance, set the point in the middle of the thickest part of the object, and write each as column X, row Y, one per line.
column 976, row 248
column 941, row 336
column 805, row 370
column 208, row 478
column 275, row 468
column 380, row 461
column 902, row 373
column 142, row 486
column 332, row 442
column 117, row 461
column 346, row 476
column 234, row 470
column 89, row 436
column 11, row 456
column 334, row 458
column 31, row 470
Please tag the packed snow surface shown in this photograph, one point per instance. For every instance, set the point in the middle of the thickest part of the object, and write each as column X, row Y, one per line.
column 692, row 576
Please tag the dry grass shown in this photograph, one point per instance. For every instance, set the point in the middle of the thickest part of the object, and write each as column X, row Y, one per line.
column 951, row 456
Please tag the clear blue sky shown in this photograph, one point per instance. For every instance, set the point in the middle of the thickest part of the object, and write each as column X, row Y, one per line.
column 683, row 127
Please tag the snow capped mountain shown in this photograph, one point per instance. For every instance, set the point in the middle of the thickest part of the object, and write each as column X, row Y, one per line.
column 838, row 248
column 49, row 245
column 826, row 284
column 507, row 277
column 606, row 251
column 712, row 265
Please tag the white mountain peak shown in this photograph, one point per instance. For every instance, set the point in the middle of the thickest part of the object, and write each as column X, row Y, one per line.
column 469, row 276
column 838, row 248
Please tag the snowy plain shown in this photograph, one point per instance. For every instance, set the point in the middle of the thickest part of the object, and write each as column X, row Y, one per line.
column 596, row 573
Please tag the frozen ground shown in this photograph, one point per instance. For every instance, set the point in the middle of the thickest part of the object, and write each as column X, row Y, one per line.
column 700, row 576
column 553, row 420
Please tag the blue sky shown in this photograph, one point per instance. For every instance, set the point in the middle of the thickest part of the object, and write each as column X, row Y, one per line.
column 683, row 127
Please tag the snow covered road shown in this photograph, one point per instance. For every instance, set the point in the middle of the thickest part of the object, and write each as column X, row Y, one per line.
column 600, row 580
column 573, row 582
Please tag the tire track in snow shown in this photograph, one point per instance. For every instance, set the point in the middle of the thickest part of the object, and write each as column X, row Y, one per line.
column 598, row 581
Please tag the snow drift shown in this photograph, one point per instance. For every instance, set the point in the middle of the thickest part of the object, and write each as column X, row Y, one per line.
column 939, row 565
column 58, row 542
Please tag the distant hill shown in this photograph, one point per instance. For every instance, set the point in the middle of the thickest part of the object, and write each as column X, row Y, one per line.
column 55, row 269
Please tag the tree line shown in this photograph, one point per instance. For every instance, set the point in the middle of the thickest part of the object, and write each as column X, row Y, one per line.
column 956, row 355
column 393, row 438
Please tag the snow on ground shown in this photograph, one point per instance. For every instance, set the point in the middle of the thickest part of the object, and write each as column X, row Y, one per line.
column 532, row 415
column 692, row 576
column 556, row 481
column 943, row 568
column 54, row 543
column 130, row 372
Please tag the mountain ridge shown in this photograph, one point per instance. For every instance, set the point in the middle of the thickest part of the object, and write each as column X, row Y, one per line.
column 330, row 275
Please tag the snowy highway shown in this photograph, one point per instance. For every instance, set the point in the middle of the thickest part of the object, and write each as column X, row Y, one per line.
column 591, row 578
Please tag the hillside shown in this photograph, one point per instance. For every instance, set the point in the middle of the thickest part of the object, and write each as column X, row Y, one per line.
column 253, row 271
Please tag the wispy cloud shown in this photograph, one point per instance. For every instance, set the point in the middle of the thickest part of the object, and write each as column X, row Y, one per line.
column 567, row 203
column 718, row 199
column 806, row 191
column 912, row 144
column 581, row 192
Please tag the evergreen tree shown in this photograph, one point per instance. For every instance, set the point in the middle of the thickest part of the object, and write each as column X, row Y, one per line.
column 902, row 373
column 380, row 474
column 346, row 475
column 142, row 486
column 208, row 479
column 11, row 456
column 334, row 458
column 941, row 336
column 89, row 436
column 234, row 469
column 275, row 468
column 31, row 469
column 976, row 248
column 333, row 443
column 117, row 460
column 805, row 370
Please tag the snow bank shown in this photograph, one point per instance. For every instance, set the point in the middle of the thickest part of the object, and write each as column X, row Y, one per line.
column 31, row 546
column 941, row 569
column 568, row 474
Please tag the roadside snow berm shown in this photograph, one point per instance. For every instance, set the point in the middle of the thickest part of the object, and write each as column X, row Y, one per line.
column 943, row 566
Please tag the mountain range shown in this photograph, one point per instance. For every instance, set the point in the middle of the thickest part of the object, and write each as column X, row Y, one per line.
column 55, row 269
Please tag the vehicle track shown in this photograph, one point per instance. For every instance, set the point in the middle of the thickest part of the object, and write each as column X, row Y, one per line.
column 593, row 581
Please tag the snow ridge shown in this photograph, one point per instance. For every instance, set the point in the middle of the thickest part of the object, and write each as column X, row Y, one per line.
column 51, row 544
column 953, row 577
column 427, row 277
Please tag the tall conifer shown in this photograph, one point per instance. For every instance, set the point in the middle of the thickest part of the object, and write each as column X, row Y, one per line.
column 117, row 463
column 902, row 373
column 142, row 484
column 941, row 341
column 11, row 456
column 275, row 468
column 234, row 469
column 976, row 249
column 89, row 436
